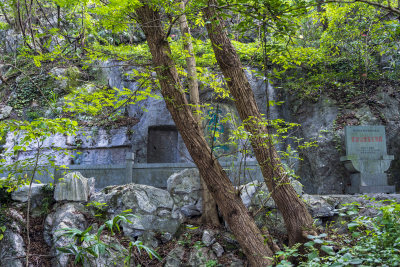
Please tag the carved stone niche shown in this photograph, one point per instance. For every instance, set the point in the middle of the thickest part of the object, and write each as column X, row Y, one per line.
column 162, row 145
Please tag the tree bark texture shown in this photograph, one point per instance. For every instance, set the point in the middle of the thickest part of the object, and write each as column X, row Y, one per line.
column 230, row 204
column 190, row 62
column 210, row 213
column 298, row 220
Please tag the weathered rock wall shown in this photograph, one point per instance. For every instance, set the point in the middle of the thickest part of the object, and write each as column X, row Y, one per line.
column 321, row 171
column 91, row 146
column 156, row 114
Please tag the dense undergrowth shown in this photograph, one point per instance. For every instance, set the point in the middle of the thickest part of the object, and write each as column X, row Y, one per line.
column 369, row 241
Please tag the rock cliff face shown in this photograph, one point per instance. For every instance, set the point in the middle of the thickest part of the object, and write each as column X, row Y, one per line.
column 321, row 171
column 154, row 137
column 95, row 146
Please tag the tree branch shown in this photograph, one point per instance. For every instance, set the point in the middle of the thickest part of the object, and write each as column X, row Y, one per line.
column 371, row 3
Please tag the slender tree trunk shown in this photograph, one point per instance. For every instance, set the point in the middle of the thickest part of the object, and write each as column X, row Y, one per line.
column 190, row 62
column 210, row 213
column 231, row 206
column 22, row 24
column 28, row 209
column 3, row 10
column 29, row 19
column 298, row 220
column 321, row 10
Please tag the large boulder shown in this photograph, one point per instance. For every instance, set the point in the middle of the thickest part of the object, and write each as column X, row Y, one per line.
column 247, row 192
column 12, row 40
column 321, row 206
column 185, row 189
column 257, row 198
column 69, row 215
column 256, row 195
column 22, row 193
column 65, row 78
column 12, row 245
column 73, row 187
column 153, row 208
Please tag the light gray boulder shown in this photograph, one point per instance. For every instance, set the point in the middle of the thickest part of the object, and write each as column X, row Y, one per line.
column 321, row 206
column 184, row 182
column 175, row 257
column 12, row 245
column 64, row 77
column 73, row 187
column 326, row 206
column 218, row 249
column 12, row 40
column 5, row 111
column 247, row 192
column 208, row 238
column 152, row 207
column 256, row 194
column 185, row 189
column 69, row 215
column 21, row 194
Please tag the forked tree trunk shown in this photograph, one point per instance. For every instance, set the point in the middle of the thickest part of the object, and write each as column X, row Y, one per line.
column 231, row 206
column 210, row 213
column 298, row 220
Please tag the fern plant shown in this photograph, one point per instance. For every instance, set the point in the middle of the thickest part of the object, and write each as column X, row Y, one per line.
column 88, row 245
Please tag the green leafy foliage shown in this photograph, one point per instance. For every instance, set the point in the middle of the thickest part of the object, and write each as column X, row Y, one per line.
column 139, row 246
column 106, row 102
column 89, row 245
column 372, row 241
column 2, row 230
column 211, row 263
column 48, row 200
column 32, row 135
column 99, row 209
column 337, row 43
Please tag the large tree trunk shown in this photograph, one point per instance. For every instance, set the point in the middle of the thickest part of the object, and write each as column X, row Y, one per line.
column 231, row 206
column 298, row 220
column 210, row 213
